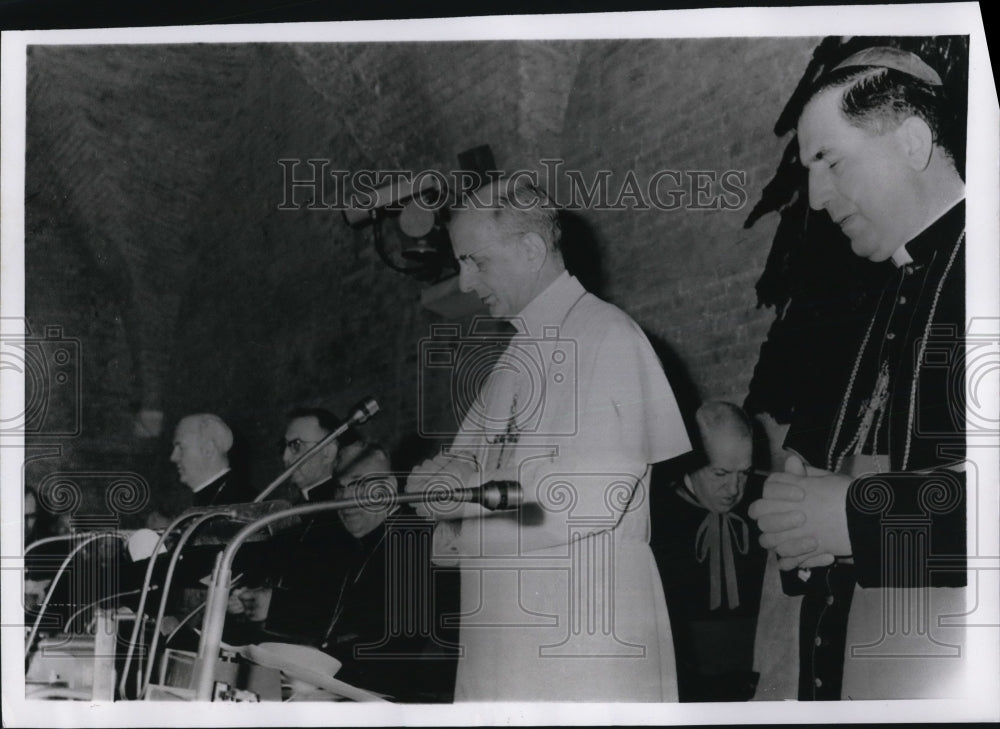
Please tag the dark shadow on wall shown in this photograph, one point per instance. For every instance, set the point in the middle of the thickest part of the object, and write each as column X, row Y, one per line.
column 581, row 251
column 412, row 450
column 681, row 382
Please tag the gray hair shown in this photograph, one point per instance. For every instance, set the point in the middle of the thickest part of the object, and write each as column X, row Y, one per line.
column 517, row 206
column 212, row 429
column 717, row 417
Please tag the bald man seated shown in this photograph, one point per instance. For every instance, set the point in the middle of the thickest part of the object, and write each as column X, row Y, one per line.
column 709, row 560
column 201, row 447
column 201, row 451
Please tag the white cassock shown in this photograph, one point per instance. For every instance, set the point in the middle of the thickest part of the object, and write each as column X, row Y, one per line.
column 561, row 600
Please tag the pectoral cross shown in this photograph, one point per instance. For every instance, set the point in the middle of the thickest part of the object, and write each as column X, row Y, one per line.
column 510, row 435
column 872, row 407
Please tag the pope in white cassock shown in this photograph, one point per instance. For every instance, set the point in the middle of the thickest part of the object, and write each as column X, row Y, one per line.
column 561, row 599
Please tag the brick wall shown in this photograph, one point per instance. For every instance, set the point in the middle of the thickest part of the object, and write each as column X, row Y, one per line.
column 235, row 307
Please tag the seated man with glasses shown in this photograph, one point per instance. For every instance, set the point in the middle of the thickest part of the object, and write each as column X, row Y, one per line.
column 307, row 427
column 299, row 563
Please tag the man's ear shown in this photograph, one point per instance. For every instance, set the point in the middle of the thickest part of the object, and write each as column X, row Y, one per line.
column 916, row 142
column 535, row 249
column 330, row 452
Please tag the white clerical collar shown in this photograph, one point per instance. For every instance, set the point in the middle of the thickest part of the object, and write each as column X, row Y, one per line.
column 901, row 256
column 205, row 484
column 691, row 492
column 549, row 307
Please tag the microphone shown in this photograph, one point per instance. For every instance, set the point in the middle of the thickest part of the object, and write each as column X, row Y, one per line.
column 361, row 413
column 496, row 495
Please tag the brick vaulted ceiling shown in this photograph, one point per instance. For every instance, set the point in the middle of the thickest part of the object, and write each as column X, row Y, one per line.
column 122, row 138
column 124, row 143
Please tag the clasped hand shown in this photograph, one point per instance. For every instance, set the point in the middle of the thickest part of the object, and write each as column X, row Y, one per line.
column 803, row 516
column 252, row 602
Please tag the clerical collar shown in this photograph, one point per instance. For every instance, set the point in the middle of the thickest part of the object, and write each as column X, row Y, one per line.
column 687, row 492
column 205, row 484
column 550, row 307
column 901, row 256
column 921, row 247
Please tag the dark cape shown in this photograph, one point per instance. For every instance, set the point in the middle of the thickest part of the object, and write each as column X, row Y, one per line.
column 386, row 624
column 226, row 489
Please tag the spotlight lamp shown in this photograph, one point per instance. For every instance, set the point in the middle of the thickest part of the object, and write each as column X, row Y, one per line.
column 418, row 245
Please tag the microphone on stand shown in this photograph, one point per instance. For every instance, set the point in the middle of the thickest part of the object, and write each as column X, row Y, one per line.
column 360, row 414
column 363, row 412
column 494, row 495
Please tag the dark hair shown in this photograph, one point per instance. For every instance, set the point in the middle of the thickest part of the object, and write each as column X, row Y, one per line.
column 342, row 467
column 327, row 421
column 880, row 99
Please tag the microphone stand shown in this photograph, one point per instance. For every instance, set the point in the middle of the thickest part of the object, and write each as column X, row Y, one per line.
column 165, row 593
column 140, row 610
column 48, row 540
column 495, row 495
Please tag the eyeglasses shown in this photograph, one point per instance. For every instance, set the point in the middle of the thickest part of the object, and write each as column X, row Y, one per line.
column 294, row 445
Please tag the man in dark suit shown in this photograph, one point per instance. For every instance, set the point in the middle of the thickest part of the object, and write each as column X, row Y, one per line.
column 201, row 452
column 384, row 623
column 373, row 601
column 709, row 560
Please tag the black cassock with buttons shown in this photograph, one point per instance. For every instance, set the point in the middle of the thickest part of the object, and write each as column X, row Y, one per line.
column 903, row 409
